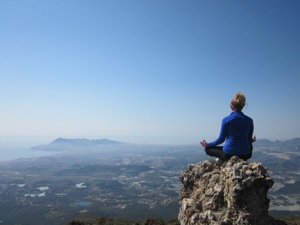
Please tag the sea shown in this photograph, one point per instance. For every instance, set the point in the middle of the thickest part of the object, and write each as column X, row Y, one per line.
column 18, row 148
column 8, row 154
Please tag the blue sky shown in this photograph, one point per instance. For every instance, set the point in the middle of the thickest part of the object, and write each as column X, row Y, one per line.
column 147, row 71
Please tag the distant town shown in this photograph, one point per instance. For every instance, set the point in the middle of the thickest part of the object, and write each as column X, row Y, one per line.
column 106, row 178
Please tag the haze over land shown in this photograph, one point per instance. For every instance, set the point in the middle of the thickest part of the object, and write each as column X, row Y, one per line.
column 111, row 178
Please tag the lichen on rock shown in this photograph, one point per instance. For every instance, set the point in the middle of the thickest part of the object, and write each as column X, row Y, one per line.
column 229, row 193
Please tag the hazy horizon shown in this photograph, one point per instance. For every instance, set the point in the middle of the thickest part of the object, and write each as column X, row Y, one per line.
column 31, row 141
column 12, row 148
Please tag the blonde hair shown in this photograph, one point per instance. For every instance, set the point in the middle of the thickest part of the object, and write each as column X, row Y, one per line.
column 238, row 102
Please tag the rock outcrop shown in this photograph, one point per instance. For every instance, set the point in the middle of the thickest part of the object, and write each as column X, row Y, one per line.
column 230, row 193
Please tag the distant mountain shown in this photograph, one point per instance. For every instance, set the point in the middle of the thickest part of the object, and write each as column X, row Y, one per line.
column 82, row 144
column 63, row 144
column 264, row 143
column 83, row 141
column 268, row 143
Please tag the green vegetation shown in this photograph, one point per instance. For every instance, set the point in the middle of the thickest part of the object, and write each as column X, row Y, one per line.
column 116, row 221
column 294, row 220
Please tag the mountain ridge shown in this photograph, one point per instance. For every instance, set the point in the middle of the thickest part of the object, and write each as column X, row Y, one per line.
column 268, row 143
column 84, row 141
column 65, row 144
column 94, row 143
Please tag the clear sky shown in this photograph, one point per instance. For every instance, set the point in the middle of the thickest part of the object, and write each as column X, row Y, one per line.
column 159, row 71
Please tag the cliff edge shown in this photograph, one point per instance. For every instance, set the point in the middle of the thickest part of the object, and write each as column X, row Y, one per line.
column 232, row 193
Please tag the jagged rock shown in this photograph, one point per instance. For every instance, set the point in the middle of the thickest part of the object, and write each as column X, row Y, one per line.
column 232, row 193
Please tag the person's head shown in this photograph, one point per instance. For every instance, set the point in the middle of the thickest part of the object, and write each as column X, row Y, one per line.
column 238, row 102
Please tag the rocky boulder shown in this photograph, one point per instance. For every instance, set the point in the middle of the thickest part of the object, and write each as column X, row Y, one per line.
column 230, row 193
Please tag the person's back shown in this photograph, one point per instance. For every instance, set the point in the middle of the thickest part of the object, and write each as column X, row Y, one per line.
column 239, row 135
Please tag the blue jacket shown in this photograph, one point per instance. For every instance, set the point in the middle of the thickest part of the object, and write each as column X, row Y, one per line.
column 237, row 130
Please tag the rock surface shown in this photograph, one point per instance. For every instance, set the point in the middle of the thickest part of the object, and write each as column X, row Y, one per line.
column 232, row 193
